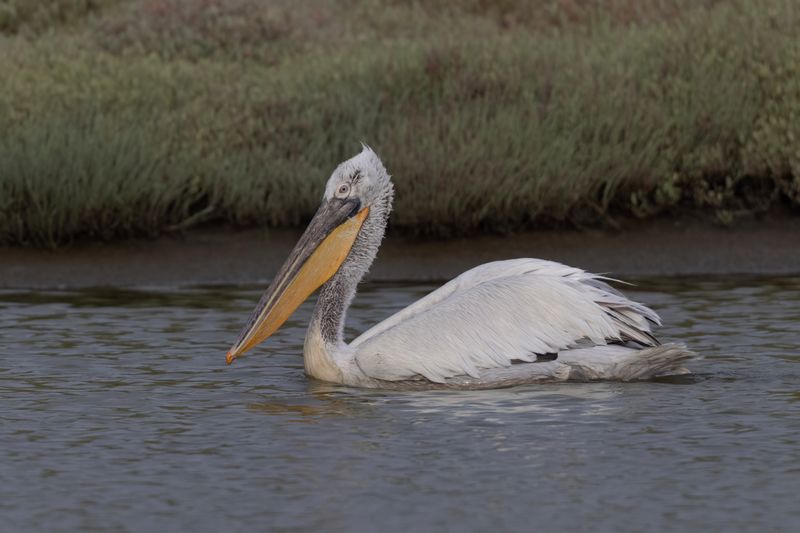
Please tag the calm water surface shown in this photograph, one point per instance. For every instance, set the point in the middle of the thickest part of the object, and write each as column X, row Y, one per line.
column 117, row 413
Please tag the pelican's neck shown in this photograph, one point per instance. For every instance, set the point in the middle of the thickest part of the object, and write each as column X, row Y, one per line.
column 325, row 350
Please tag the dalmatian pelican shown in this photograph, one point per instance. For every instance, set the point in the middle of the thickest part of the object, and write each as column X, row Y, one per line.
column 500, row 324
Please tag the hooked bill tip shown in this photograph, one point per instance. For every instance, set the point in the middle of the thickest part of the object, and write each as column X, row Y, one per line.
column 229, row 357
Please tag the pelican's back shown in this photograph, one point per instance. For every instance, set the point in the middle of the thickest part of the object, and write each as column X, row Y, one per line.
column 495, row 316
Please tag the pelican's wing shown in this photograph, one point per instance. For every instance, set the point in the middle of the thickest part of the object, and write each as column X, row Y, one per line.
column 498, row 313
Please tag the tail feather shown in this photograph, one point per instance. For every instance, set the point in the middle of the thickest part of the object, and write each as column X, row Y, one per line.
column 622, row 363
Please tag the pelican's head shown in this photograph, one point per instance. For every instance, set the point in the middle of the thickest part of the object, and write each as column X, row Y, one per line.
column 357, row 200
column 362, row 178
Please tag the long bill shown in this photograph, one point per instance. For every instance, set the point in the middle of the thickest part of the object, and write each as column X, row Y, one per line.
column 316, row 257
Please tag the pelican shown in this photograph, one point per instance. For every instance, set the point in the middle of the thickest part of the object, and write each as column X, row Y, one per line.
column 499, row 324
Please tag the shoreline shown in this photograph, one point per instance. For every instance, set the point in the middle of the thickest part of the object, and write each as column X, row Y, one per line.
column 224, row 257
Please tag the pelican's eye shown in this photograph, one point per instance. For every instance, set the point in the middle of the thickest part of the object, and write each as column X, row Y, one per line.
column 343, row 190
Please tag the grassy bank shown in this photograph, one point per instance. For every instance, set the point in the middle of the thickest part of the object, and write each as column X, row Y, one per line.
column 124, row 118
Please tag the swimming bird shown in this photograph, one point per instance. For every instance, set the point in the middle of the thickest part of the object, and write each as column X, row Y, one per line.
column 499, row 324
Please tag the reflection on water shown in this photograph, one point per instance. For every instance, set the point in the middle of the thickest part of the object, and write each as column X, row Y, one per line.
column 118, row 413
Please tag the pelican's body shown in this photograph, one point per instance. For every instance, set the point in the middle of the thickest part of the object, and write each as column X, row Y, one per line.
column 499, row 324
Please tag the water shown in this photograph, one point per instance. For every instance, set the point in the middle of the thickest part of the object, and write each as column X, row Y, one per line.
column 117, row 413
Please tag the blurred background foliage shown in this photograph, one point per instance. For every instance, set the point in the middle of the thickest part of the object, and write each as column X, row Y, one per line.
column 123, row 118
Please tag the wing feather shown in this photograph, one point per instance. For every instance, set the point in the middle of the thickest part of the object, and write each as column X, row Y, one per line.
column 499, row 313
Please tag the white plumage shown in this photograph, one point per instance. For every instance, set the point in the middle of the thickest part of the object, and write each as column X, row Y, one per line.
column 497, row 314
column 499, row 324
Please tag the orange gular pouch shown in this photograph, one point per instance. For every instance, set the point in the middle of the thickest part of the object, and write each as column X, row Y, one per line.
column 316, row 257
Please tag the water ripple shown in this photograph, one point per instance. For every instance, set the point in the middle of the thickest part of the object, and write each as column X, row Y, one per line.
column 118, row 413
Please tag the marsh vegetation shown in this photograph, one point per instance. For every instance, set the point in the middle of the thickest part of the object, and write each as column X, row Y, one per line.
column 130, row 118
